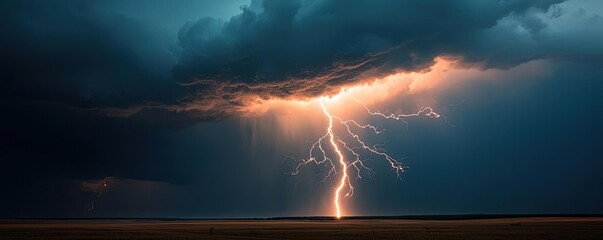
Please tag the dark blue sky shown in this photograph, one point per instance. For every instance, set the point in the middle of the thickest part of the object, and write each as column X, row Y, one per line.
column 527, row 118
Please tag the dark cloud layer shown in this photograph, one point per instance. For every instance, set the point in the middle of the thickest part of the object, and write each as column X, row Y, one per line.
column 273, row 49
column 60, row 62
column 308, row 48
column 71, row 53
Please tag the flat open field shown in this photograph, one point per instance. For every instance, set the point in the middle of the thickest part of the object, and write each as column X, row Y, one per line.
column 504, row 228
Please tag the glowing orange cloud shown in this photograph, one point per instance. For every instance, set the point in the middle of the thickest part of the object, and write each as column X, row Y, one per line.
column 370, row 91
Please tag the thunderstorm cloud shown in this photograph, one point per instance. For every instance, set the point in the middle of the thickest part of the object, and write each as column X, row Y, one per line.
column 215, row 67
column 304, row 49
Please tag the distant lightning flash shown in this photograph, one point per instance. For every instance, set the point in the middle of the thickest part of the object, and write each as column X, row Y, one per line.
column 353, row 147
column 104, row 186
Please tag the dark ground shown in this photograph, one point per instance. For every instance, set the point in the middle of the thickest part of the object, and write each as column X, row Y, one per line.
column 501, row 228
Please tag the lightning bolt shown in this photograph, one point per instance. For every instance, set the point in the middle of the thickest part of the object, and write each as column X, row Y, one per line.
column 344, row 166
column 99, row 194
column 351, row 143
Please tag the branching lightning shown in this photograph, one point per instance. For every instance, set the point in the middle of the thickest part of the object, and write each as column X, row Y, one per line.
column 347, row 140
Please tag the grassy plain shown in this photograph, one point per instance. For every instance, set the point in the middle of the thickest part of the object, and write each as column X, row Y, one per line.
column 500, row 228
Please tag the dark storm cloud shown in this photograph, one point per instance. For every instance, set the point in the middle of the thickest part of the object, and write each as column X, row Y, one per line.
column 308, row 48
column 61, row 61
column 68, row 52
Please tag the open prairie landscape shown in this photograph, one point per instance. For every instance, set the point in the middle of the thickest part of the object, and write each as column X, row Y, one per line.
column 503, row 228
